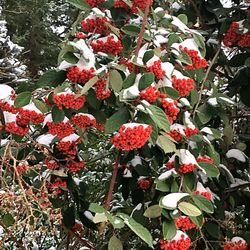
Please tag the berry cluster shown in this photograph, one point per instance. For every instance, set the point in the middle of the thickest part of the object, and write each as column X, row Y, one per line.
column 21, row 168
column 156, row 69
column 57, row 186
column 184, row 223
column 76, row 75
column 80, row 35
column 205, row 194
column 5, row 106
column 84, row 120
column 141, row 4
column 206, row 159
column 182, row 244
column 150, row 94
column 25, row 116
column 171, row 109
column 96, row 25
column 110, row 46
column 237, row 245
column 67, row 147
column 68, row 100
column 132, row 136
column 183, row 168
column 183, row 86
column 101, row 90
column 232, row 38
column 61, row 129
column 75, row 166
column 175, row 134
column 144, row 183
column 197, row 61
column 94, row 3
column 13, row 128
column 131, row 67
column 51, row 164
column 191, row 131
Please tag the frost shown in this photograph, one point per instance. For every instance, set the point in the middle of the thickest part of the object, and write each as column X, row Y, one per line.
column 170, row 201
column 237, row 154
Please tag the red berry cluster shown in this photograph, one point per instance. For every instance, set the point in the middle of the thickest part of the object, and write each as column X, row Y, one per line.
column 175, row 134
column 144, row 183
column 97, row 26
column 76, row 75
column 191, row 131
column 5, row 106
column 205, row 194
column 183, row 168
column 57, row 186
column 150, row 94
column 94, row 3
column 130, row 138
column 232, row 38
column 25, row 116
column 197, row 61
column 171, row 109
column 80, row 35
column 100, row 126
column 67, row 147
column 75, row 166
column 101, row 91
column 61, row 129
column 183, row 86
column 156, row 69
column 84, row 120
column 205, row 159
column 68, row 101
column 13, row 128
column 51, row 164
column 238, row 245
column 181, row 244
column 131, row 67
column 111, row 46
column 141, row 4
column 184, row 223
column 21, row 168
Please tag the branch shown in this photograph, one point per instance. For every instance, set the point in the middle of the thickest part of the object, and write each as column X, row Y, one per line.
column 205, row 78
column 113, row 181
column 144, row 21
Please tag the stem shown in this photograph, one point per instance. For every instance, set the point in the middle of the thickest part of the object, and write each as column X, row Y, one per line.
column 113, row 181
column 205, row 79
column 144, row 21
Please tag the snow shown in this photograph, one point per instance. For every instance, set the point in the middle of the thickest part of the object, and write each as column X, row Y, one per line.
column 127, row 173
column 236, row 154
column 131, row 92
column 207, row 130
column 186, row 157
column 212, row 101
column 45, row 139
column 136, row 161
column 71, row 138
column 187, row 120
column 183, row 102
column 170, row 201
column 178, row 235
column 164, row 176
column 5, row 92
column 237, row 238
column 89, row 215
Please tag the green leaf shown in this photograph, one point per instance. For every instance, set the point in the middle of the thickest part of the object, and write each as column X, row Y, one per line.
column 166, row 144
column 57, row 114
column 204, row 114
column 129, row 81
column 173, row 38
column 162, row 186
column 70, row 57
column 194, row 95
column 239, row 60
column 115, row 244
column 115, row 80
column 159, row 117
column 116, row 222
column 23, row 99
column 211, row 170
column 8, row 220
column 116, row 120
column 172, row 93
column 153, row 211
column 137, row 228
column 100, row 217
column 203, row 203
column 189, row 209
column 41, row 105
column 183, row 18
column 131, row 30
column 52, row 78
column 146, row 80
column 185, row 58
column 88, row 85
column 147, row 56
column 96, row 208
column 80, row 4
column 69, row 217
column 168, row 229
column 198, row 220
column 115, row 30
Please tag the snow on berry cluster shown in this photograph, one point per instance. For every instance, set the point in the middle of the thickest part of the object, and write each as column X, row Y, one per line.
column 141, row 4
column 180, row 242
column 183, row 86
column 82, row 120
column 236, row 243
column 233, row 37
column 131, row 136
column 170, row 107
column 157, row 69
column 150, row 94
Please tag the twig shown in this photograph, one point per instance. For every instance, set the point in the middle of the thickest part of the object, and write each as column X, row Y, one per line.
column 113, row 181
column 205, row 79
column 144, row 21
